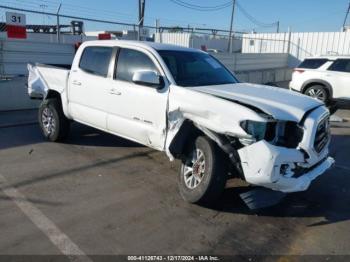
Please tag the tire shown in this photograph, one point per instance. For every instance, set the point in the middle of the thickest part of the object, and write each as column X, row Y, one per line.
column 319, row 92
column 209, row 181
column 53, row 123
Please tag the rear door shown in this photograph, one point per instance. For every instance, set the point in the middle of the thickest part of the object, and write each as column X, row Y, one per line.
column 137, row 112
column 88, row 87
column 339, row 76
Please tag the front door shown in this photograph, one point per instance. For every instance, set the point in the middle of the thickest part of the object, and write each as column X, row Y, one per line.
column 137, row 112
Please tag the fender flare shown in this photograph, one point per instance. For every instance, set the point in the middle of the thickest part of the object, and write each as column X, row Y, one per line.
column 62, row 100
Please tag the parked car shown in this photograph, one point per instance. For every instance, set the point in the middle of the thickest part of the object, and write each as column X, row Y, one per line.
column 324, row 78
column 186, row 103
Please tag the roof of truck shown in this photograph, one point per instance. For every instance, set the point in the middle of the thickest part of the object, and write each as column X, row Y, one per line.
column 144, row 44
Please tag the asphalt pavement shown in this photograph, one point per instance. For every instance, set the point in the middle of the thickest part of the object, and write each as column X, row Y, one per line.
column 97, row 194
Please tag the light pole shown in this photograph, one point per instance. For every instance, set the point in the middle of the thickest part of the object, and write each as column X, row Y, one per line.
column 142, row 4
column 58, row 22
column 346, row 16
column 231, row 27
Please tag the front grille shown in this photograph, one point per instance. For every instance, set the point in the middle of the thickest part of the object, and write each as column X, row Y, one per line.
column 322, row 135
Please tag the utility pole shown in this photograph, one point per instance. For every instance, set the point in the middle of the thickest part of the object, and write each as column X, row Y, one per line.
column 230, row 41
column 346, row 16
column 157, row 25
column 278, row 26
column 58, row 22
column 142, row 4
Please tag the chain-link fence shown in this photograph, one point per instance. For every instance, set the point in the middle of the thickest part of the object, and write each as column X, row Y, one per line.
column 53, row 32
column 64, row 25
column 67, row 25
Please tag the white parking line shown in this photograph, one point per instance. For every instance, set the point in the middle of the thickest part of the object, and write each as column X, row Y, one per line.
column 57, row 237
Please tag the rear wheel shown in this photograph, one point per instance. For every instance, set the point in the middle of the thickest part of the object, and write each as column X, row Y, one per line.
column 53, row 123
column 318, row 92
column 203, row 173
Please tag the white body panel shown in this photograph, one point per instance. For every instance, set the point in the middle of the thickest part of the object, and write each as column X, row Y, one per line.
column 43, row 78
column 340, row 81
column 153, row 117
column 87, row 98
column 280, row 103
column 138, row 112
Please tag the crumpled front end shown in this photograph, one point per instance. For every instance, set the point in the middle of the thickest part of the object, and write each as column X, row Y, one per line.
column 290, row 169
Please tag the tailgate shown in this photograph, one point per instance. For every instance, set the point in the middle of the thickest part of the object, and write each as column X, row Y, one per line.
column 41, row 78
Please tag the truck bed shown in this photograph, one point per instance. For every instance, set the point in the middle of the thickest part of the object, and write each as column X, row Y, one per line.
column 44, row 77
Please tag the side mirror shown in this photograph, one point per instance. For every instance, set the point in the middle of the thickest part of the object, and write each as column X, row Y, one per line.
column 148, row 78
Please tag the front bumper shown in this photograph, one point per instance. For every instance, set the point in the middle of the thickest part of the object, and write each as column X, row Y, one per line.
column 273, row 167
column 290, row 169
column 303, row 182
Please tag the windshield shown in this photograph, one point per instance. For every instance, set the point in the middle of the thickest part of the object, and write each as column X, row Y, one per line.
column 196, row 68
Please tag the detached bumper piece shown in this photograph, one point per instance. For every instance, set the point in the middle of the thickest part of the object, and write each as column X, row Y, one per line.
column 273, row 167
column 261, row 198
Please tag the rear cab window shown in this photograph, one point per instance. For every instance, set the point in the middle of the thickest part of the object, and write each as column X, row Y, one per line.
column 340, row 65
column 313, row 63
column 96, row 59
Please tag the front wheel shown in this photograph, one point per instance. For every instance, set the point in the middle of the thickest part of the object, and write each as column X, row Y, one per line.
column 203, row 172
column 318, row 92
column 53, row 122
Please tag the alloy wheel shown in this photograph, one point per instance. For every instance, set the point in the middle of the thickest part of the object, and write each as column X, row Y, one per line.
column 317, row 93
column 48, row 121
column 194, row 169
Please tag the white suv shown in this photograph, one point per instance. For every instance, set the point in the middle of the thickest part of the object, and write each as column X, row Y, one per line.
column 324, row 78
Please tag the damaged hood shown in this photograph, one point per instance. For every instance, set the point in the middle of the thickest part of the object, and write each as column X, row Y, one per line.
column 280, row 103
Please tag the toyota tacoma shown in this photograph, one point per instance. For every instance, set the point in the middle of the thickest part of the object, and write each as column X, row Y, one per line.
column 186, row 103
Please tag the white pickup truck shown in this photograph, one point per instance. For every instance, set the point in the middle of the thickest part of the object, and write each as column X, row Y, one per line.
column 186, row 103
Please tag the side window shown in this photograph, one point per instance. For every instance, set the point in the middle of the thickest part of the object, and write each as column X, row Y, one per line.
column 340, row 65
column 130, row 61
column 312, row 63
column 96, row 59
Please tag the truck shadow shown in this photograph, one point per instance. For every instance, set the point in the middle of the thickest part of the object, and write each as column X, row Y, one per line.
column 343, row 105
column 30, row 134
column 89, row 136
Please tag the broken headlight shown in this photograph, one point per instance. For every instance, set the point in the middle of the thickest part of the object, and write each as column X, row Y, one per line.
column 258, row 131
column 254, row 128
column 280, row 133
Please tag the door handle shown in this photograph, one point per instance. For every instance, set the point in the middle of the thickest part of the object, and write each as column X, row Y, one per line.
column 115, row 92
column 77, row 83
